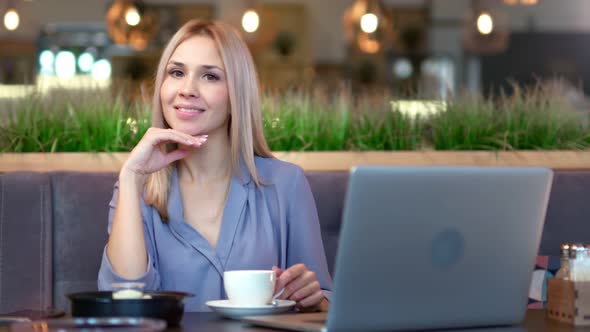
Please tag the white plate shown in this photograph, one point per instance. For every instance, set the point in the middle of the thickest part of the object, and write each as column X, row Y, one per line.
column 225, row 308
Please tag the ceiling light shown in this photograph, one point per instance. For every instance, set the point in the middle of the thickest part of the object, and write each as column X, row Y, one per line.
column 250, row 21
column 11, row 19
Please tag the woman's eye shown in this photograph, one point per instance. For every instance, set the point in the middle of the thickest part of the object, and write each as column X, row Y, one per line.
column 175, row 73
column 211, row 77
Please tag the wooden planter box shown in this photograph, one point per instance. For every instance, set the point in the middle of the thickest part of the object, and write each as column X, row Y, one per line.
column 316, row 161
column 568, row 301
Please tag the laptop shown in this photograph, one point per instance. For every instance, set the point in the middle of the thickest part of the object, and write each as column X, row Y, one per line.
column 432, row 248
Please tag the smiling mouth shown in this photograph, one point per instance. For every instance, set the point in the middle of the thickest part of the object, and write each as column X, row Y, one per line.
column 190, row 110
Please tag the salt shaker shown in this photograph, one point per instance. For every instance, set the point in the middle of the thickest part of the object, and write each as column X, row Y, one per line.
column 578, row 262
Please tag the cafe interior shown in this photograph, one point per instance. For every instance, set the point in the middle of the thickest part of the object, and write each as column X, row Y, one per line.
column 437, row 86
column 436, row 47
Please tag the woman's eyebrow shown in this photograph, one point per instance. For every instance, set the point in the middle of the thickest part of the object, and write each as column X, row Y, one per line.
column 213, row 67
column 206, row 67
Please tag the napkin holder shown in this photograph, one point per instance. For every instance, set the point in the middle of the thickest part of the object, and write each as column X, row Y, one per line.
column 568, row 301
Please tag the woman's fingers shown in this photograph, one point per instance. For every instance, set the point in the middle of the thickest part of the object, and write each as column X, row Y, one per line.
column 307, row 290
column 149, row 156
column 159, row 136
column 300, row 285
column 312, row 300
column 296, row 285
column 278, row 271
column 287, row 276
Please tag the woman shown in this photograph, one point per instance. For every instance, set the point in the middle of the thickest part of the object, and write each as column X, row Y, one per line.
column 201, row 193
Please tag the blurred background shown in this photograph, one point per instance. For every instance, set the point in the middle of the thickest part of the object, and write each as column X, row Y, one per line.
column 434, row 48
column 362, row 68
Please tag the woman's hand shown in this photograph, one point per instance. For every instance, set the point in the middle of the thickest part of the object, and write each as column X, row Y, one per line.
column 149, row 154
column 301, row 285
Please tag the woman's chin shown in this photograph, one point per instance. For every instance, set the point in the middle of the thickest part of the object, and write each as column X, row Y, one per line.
column 191, row 131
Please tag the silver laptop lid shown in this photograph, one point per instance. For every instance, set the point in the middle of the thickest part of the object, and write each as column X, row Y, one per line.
column 437, row 247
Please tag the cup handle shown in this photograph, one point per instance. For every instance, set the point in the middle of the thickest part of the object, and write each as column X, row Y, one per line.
column 278, row 293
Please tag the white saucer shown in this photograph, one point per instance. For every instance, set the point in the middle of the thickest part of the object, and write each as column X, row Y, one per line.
column 225, row 308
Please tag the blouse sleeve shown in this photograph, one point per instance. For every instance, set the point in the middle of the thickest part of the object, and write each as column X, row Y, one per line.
column 106, row 274
column 304, row 235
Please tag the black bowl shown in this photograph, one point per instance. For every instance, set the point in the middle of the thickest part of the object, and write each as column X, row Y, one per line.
column 168, row 306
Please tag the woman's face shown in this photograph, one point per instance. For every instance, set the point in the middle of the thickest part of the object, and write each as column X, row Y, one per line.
column 194, row 93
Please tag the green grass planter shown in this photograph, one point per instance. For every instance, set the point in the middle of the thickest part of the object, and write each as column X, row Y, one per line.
column 93, row 120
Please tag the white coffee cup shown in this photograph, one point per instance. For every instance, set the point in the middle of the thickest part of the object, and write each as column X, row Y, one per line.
column 249, row 287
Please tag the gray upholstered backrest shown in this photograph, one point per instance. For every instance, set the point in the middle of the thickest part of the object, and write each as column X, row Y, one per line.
column 329, row 189
column 25, row 241
column 568, row 213
column 80, row 203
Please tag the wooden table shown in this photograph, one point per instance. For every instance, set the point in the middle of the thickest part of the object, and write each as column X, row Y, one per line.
column 535, row 321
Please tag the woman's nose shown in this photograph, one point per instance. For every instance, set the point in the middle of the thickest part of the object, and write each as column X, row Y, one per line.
column 189, row 89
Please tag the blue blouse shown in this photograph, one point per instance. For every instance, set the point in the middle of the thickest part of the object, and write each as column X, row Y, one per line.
column 274, row 224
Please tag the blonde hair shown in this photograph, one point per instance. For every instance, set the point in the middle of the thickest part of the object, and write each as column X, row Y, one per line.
column 245, row 125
